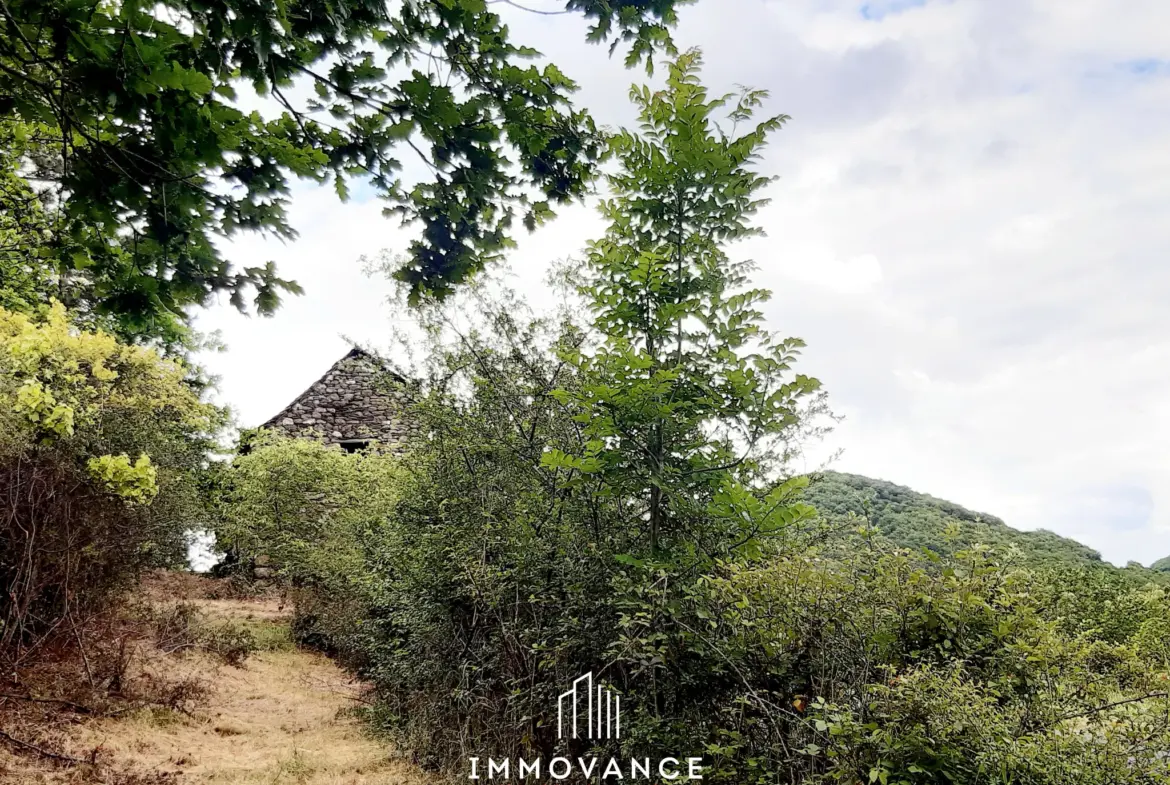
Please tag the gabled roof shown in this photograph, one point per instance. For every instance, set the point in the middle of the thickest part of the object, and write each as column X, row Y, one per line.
column 360, row 398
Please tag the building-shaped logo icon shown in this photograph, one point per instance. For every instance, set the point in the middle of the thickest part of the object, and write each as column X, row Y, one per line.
column 596, row 713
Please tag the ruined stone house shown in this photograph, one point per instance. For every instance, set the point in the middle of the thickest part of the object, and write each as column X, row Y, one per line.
column 358, row 401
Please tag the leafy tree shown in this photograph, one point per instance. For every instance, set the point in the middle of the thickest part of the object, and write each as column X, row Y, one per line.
column 24, row 228
column 130, row 115
column 689, row 395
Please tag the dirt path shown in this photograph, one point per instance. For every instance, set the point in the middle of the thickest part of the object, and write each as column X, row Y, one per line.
column 284, row 717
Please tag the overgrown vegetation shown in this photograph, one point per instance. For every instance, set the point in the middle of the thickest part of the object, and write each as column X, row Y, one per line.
column 102, row 445
column 608, row 488
column 310, row 508
column 614, row 496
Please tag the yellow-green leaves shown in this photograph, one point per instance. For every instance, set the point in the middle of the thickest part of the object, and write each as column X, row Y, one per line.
column 556, row 459
column 134, row 482
column 62, row 378
column 39, row 407
column 61, row 385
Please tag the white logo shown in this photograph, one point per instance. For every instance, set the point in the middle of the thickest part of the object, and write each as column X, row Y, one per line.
column 603, row 711
column 596, row 714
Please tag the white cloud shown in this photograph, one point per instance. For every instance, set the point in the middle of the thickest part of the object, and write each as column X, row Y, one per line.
column 817, row 267
column 969, row 232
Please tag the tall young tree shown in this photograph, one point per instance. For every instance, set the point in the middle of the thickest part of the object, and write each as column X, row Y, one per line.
column 693, row 401
column 129, row 111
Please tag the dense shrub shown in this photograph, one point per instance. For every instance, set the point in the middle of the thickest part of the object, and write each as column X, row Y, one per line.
column 489, row 587
column 309, row 509
column 931, row 671
column 100, row 447
column 180, row 627
column 833, row 660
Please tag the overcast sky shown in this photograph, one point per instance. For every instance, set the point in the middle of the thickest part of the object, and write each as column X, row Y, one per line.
column 969, row 231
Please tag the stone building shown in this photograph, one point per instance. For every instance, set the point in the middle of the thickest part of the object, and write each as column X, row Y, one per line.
column 359, row 400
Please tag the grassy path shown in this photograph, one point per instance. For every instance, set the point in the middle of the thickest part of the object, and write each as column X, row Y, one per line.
column 283, row 717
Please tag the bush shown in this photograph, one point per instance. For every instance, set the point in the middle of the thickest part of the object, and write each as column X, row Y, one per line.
column 101, row 444
column 311, row 510
column 230, row 641
column 176, row 627
column 182, row 627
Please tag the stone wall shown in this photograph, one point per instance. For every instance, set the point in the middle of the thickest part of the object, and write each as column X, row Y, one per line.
column 356, row 399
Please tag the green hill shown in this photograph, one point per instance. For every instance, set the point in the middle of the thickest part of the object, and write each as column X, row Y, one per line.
column 916, row 520
column 1161, row 565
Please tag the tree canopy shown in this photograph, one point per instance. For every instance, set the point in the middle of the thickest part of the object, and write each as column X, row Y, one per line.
column 133, row 121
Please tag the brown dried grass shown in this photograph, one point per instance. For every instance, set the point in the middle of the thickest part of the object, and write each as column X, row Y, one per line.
column 284, row 717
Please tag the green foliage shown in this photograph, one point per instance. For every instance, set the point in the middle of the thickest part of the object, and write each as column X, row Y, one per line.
column 81, row 518
column 687, row 393
column 1097, row 602
column 135, row 116
column 25, row 279
column 1085, row 596
column 134, row 482
column 296, row 500
column 868, row 663
column 492, row 575
column 60, row 380
column 915, row 520
column 310, row 509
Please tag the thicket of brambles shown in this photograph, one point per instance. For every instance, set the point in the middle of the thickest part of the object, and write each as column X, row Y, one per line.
column 611, row 492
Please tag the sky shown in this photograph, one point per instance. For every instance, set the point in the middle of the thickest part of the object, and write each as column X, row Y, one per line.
column 969, row 231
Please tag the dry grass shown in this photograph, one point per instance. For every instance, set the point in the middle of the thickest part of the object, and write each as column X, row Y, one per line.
column 247, row 609
column 226, row 597
column 282, row 718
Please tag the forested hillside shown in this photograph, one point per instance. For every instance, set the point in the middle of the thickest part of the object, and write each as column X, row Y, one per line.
column 918, row 520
